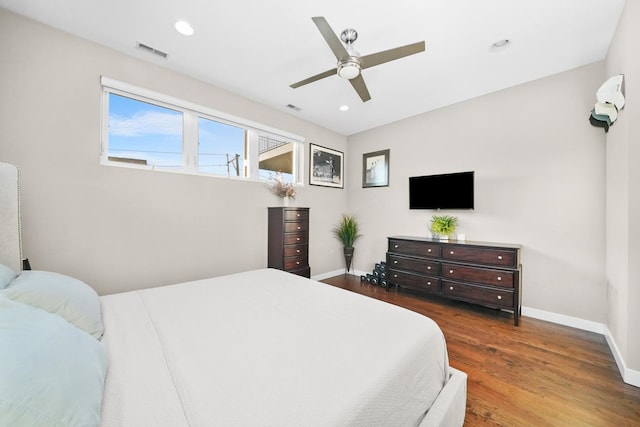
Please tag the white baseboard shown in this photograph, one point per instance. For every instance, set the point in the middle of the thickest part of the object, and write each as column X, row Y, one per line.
column 629, row 376
column 561, row 319
column 337, row 273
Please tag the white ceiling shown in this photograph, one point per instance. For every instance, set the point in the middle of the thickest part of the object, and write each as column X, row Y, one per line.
column 257, row 48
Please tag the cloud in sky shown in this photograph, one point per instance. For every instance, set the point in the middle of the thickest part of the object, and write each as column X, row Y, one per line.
column 146, row 123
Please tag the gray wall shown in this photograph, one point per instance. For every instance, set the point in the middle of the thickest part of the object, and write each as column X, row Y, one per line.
column 119, row 228
column 539, row 172
column 623, row 197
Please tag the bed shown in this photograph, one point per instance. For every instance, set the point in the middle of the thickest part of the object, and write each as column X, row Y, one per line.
column 257, row 348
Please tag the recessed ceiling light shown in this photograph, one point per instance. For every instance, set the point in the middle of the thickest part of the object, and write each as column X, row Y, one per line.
column 184, row 28
column 500, row 44
column 343, row 108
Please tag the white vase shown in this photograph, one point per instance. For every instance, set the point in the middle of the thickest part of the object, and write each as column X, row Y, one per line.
column 285, row 202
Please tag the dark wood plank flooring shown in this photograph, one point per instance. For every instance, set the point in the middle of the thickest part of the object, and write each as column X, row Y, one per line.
column 536, row 374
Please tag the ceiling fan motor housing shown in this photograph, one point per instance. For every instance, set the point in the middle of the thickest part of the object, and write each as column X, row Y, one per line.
column 348, row 36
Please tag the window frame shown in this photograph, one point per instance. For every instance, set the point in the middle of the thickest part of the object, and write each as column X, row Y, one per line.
column 191, row 112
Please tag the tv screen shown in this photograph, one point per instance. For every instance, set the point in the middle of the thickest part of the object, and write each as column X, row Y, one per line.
column 445, row 191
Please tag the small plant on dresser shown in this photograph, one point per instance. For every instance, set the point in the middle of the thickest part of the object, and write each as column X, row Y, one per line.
column 443, row 226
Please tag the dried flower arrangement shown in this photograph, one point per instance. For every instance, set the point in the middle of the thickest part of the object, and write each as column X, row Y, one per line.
column 281, row 188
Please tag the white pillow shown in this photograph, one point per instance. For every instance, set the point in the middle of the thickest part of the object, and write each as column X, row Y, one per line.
column 6, row 276
column 56, row 293
column 52, row 372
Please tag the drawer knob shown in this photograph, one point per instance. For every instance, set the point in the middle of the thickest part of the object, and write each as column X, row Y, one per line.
column 499, row 256
column 428, row 283
column 298, row 250
column 298, row 215
column 428, row 250
column 450, row 288
column 395, row 261
column 298, row 227
column 396, row 246
column 499, row 278
column 451, row 252
column 395, row 276
column 499, row 296
column 450, row 271
column 429, row 268
column 298, row 262
column 297, row 238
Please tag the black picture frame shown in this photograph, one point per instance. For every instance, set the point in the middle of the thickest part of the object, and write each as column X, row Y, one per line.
column 326, row 167
column 375, row 169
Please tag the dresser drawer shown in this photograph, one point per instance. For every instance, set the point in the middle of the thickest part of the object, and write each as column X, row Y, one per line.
column 296, row 215
column 486, row 276
column 292, row 227
column 493, row 297
column 295, row 263
column 296, row 238
column 413, row 264
column 423, row 249
column 474, row 255
column 416, row 281
column 295, row 250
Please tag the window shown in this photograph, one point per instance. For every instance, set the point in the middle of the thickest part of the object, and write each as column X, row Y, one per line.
column 221, row 148
column 145, row 129
column 144, row 133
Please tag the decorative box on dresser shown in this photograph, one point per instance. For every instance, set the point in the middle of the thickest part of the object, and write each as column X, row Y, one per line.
column 289, row 240
column 487, row 274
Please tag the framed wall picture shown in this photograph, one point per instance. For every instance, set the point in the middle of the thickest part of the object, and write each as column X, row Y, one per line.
column 326, row 167
column 375, row 169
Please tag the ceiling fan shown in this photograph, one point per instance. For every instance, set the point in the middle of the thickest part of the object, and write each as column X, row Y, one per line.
column 350, row 63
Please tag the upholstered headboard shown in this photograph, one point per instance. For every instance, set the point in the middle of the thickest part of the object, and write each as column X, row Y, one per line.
column 10, row 238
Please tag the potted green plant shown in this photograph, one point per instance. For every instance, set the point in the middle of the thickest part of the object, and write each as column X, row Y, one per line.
column 347, row 231
column 443, row 226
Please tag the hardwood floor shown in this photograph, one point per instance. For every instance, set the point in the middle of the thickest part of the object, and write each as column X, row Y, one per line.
column 536, row 374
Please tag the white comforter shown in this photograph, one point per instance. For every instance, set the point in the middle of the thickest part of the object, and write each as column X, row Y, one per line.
column 267, row 348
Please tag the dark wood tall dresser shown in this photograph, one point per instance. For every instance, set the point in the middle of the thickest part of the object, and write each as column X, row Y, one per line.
column 289, row 240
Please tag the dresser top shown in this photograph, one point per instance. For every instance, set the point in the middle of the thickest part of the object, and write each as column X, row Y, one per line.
column 288, row 208
column 458, row 242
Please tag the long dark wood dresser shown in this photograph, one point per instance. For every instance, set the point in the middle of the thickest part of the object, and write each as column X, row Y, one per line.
column 487, row 274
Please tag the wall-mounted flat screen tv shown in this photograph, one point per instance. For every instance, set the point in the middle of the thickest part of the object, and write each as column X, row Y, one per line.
column 445, row 191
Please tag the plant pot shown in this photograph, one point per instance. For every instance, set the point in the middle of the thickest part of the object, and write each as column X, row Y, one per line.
column 348, row 256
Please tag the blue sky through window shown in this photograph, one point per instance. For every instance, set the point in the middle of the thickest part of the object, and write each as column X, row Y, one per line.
column 143, row 131
column 219, row 145
column 139, row 130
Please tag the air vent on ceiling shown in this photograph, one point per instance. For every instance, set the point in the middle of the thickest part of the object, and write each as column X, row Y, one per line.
column 293, row 107
column 152, row 50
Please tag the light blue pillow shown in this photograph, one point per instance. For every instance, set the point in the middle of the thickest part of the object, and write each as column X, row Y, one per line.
column 56, row 293
column 52, row 373
column 6, row 276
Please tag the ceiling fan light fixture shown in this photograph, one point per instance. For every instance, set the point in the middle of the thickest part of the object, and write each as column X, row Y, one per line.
column 349, row 70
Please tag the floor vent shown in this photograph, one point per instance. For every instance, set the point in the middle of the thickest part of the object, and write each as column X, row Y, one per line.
column 150, row 49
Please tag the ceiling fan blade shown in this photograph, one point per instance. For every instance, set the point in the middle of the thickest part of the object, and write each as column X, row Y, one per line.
column 317, row 77
column 360, row 87
column 374, row 59
column 331, row 38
